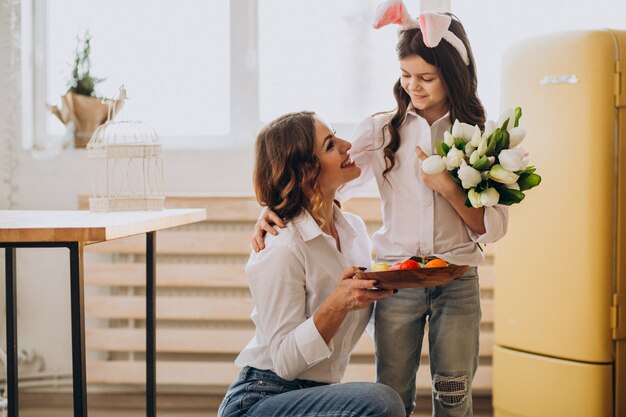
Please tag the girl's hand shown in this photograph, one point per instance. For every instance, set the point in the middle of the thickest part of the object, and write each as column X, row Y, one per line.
column 441, row 182
column 267, row 219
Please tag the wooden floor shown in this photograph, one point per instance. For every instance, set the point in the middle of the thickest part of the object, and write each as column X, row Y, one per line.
column 37, row 405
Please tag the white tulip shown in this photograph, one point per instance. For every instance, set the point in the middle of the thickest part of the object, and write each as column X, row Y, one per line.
column 476, row 137
column 469, row 176
column 508, row 114
column 454, row 158
column 482, row 147
column 474, row 157
column 504, row 176
column 489, row 197
column 474, row 198
column 514, row 186
column 515, row 159
column 490, row 127
column 457, row 130
column 517, row 134
column 469, row 149
column 433, row 164
column 448, row 139
column 468, row 131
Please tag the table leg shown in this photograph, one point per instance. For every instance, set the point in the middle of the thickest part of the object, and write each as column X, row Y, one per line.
column 78, row 329
column 150, row 325
column 11, row 316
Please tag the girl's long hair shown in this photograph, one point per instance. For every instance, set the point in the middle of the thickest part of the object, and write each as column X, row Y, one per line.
column 286, row 169
column 459, row 81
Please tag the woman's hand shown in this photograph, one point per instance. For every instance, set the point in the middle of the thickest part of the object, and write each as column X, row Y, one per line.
column 351, row 294
column 267, row 219
column 355, row 294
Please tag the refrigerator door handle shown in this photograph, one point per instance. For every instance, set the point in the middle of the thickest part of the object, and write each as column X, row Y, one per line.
column 618, row 316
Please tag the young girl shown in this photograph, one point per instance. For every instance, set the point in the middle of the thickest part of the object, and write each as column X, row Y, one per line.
column 424, row 215
column 309, row 313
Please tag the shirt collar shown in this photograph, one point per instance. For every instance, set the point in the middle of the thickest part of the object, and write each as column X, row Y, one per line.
column 309, row 229
column 411, row 110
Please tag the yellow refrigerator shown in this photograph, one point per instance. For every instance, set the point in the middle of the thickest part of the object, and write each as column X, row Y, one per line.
column 560, row 291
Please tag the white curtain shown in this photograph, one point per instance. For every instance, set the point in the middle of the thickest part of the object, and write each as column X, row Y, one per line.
column 10, row 101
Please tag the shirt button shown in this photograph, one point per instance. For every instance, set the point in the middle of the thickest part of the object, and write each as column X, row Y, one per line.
column 429, row 203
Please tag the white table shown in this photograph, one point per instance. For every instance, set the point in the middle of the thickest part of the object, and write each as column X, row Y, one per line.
column 74, row 230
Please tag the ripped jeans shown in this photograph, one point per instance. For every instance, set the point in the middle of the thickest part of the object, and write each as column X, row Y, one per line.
column 453, row 313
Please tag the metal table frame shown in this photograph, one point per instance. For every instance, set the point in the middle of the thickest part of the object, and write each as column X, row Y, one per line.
column 78, row 323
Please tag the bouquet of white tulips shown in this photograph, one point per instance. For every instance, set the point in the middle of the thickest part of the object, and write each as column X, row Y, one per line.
column 489, row 165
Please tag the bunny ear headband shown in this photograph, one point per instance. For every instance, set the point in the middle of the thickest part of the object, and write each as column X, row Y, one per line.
column 434, row 26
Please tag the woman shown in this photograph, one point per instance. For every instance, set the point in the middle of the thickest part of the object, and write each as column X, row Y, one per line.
column 309, row 311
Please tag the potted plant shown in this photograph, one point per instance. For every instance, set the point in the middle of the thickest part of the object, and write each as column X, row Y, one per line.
column 81, row 110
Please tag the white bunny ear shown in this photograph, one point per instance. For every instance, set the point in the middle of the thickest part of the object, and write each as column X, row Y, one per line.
column 435, row 27
column 393, row 12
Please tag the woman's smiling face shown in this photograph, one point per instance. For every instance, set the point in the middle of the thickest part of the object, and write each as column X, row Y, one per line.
column 336, row 166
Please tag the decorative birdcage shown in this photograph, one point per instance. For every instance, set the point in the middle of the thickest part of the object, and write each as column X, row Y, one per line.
column 127, row 166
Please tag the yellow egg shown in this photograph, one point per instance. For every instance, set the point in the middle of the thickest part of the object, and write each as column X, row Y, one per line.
column 380, row 267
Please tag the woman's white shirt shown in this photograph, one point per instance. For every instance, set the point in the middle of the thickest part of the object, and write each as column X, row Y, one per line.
column 416, row 220
column 289, row 280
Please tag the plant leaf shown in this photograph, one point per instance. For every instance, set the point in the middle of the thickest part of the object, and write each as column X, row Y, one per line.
column 482, row 164
column 518, row 115
column 528, row 181
column 509, row 196
column 441, row 148
column 492, row 142
column 503, row 142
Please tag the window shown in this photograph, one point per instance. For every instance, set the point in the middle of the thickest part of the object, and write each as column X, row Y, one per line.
column 209, row 73
column 173, row 58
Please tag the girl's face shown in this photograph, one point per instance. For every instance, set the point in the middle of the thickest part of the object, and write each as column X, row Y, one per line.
column 422, row 83
column 337, row 168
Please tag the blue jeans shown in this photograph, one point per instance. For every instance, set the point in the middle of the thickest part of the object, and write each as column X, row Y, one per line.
column 453, row 313
column 265, row 394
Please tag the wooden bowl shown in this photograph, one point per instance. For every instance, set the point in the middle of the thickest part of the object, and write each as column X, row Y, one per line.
column 415, row 278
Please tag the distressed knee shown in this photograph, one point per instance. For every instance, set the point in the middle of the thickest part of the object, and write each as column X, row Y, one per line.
column 450, row 391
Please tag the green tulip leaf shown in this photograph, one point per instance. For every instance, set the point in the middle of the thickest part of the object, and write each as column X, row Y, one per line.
column 518, row 115
column 482, row 164
column 492, row 142
column 482, row 186
column 503, row 143
column 459, row 143
column 509, row 196
column 441, row 148
column 528, row 170
column 505, row 124
column 468, row 203
column 528, row 181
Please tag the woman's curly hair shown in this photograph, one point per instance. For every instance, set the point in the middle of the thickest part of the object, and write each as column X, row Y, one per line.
column 286, row 169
